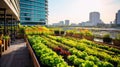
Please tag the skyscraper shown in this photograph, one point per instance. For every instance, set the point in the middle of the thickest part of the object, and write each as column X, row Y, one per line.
column 117, row 20
column 67, row 22
column 61, row 23
column 34, row 12
column 94, row 18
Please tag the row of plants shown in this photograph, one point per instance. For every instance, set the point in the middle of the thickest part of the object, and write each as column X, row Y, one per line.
column 88, row 62
column 99, row 46
column 76, row 53
column 57, row 43
column 80, row 34
column 96, row 46
column 90, row 36
column 80, row 50
column 46, row 55
column 69, row 57
column 56, row 47
column 111, row 58
column 83, row 57
column 36, row 30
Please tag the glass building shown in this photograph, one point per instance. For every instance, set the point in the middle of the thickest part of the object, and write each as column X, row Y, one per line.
column 34, row 12
column 117, row 18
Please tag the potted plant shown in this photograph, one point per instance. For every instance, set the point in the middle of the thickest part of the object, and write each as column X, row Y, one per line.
column 107, row 39
column 57, row 32
column 116, row 41
column 62, row 32
column 0, row 48
column 6, row 40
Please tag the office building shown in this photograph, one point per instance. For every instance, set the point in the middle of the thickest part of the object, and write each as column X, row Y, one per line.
column 67, row 22
column 94, row 18
column 61, row 23
column 117, row 19
column 34, row 12
column 9, row 15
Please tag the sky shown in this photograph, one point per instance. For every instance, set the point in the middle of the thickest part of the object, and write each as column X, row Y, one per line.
column 77, row 11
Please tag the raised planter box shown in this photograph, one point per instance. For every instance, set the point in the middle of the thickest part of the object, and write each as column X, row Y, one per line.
column 33, row 56
column 110, row 45
column 107, row 40
column 57, row 32
column 6, row 44
column 78, row 36
column 89, row 38
column 0, row 50
column 116, row 42
column 69, row 34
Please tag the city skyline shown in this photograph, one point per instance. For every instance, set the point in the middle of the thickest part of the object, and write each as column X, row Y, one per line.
column 78, row 11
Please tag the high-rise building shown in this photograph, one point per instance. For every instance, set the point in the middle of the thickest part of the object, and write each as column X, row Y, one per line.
column 61, row 23
column 67, row 22
column 94, row 18
column 117, row 19
column 34, row 12
column 9, row 15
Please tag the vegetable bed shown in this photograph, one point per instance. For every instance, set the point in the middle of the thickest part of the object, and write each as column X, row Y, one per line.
column 54, row 51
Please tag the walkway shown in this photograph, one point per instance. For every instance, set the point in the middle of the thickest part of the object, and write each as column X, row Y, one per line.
column 17, row 55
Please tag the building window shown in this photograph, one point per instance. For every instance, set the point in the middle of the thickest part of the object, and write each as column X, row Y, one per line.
column 25, row 14
column 42, row 20
column 27, row 18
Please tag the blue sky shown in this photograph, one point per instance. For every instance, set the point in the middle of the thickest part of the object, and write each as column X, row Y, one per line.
column 78, row 10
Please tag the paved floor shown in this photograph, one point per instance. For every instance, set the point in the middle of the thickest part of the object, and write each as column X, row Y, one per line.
column 17, row 55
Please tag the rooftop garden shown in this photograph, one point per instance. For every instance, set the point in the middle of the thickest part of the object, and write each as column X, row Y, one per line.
column 73, row 49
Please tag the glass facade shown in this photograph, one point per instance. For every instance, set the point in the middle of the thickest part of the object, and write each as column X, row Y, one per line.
column 118, row 18
column 33, row 12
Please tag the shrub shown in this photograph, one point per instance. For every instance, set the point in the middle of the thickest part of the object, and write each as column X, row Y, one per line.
column 88, row 64
column 6, row 37
column 107, row 39
column 117, row 37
